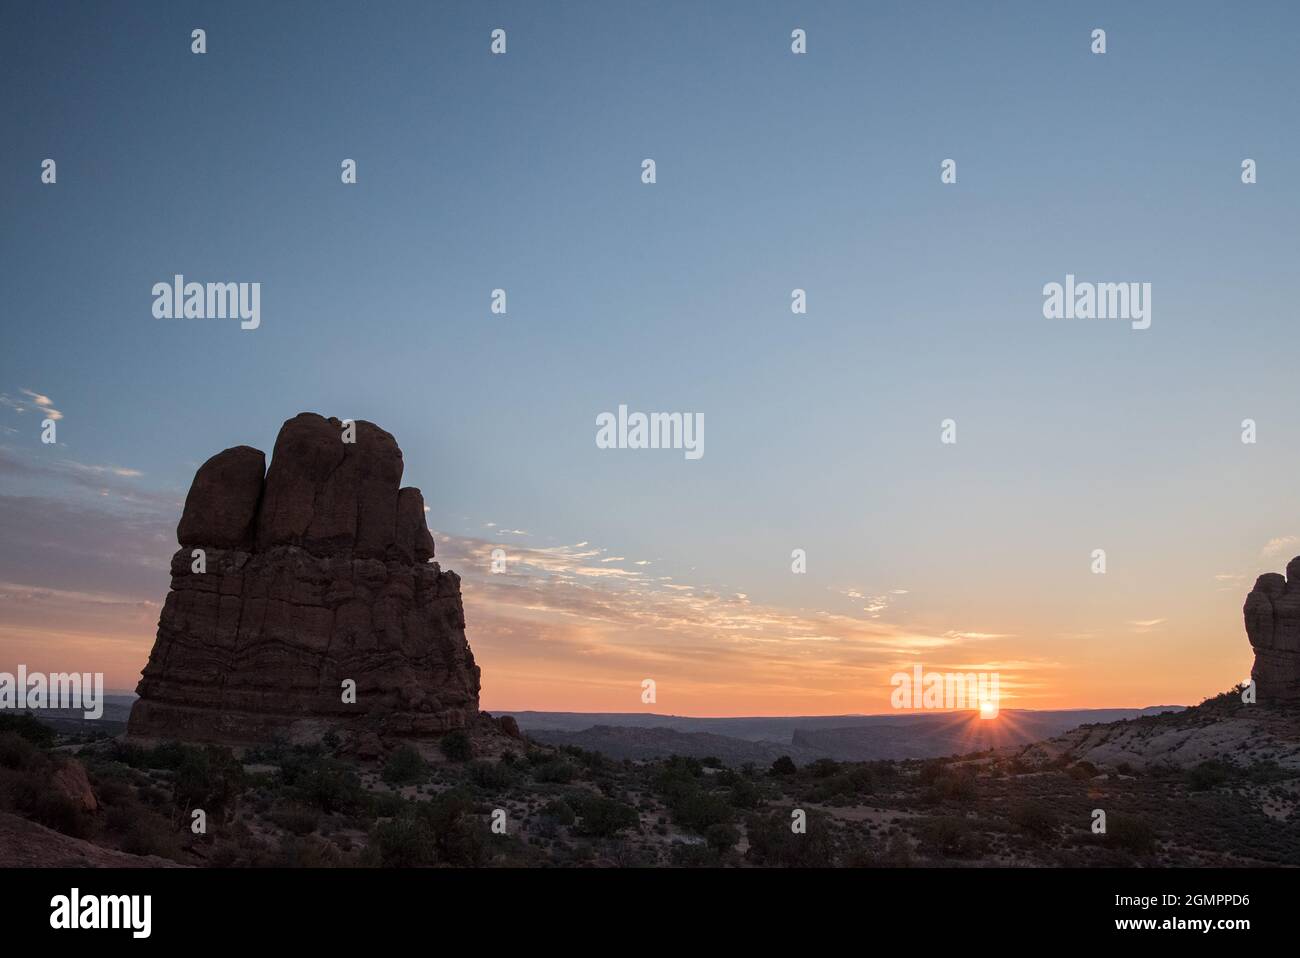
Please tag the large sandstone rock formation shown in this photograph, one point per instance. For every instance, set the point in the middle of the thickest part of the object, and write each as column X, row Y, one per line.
column 319, row 573
column 1273, row 625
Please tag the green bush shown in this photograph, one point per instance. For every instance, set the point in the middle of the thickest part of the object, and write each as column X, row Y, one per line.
column 773, row 842
column 784, row 766
column 491, row 775
column 17, row 751
column 557, row 771
column 603, row 817
column 722, row 837
column 687, row 855
column 168, row 755
column 951, row 837
column 559, row 811
column 404, row 842
column 460, row 836
column 1207, row 775
column 1131, row 833
column 151, row 834
column 295, row 818
column 324, row 783
column 457, row 746
column 1035, row 819
column 745, row 794
column 824, row 768
column 29, row 727
column 406, row 766
column 210, row 779
column 700, row 810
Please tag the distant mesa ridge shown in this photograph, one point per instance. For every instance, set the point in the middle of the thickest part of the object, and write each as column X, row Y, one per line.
column 317, row 571
column 1272, row 614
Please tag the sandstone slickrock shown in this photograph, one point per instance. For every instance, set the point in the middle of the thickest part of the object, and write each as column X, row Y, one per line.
column 1272, row 613
column 317, row 574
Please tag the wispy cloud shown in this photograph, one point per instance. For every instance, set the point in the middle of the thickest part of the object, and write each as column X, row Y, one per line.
column 40, row 401
column 1145, row 625
column 1279, row 545
column 558, row 620
column 100, row 479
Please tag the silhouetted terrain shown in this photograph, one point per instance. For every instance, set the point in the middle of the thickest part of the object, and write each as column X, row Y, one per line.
column 804, row 738
column 1217, row 784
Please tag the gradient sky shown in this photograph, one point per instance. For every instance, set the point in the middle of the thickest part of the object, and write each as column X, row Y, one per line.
column 775, row 171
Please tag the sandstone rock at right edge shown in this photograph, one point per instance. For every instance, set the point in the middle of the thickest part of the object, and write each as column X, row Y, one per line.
column 1272, row 615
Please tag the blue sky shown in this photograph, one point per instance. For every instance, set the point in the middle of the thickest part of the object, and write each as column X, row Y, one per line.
column 775, row 171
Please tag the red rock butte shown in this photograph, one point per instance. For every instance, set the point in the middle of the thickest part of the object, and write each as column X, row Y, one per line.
column 1272, row 614
column 318, row 571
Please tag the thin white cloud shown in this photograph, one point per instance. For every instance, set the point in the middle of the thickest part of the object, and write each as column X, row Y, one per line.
column 45, row 403
column 1279, row 545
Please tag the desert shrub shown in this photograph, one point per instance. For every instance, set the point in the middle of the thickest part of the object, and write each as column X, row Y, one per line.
column 951, row 837
column 457, row 746
column 210, row 779
column 603, row 817
column 30, row 793
column 62, row 814
column 307, row 852
column 784, row 766
column 593, row 761
column 296, row 818
column 556, row 771
column 406, row 766
column 1083, row 770
column 952, row 785
column 684, row 764
column 898, row 851
column 27, row 726
column 1266, row 772
column 772, row 842
column 824, row 768
column 151, row 834
column 692, row 855
column 17, row 751
column 745, row 794
column 675, row 780
column 112, row 792
column 1207, row 775
column 559, row 811
column 153, row 796
column 119, row 819
column 385, row 804
column 860, row 780
column 721, row 837
column 168, row 755
column 491, row 775
column 1131, row 833
column 404, row 842
column 930, row 771
column 699, row 810
column 1034, row 819
column 322, row 782
column 459, row 836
